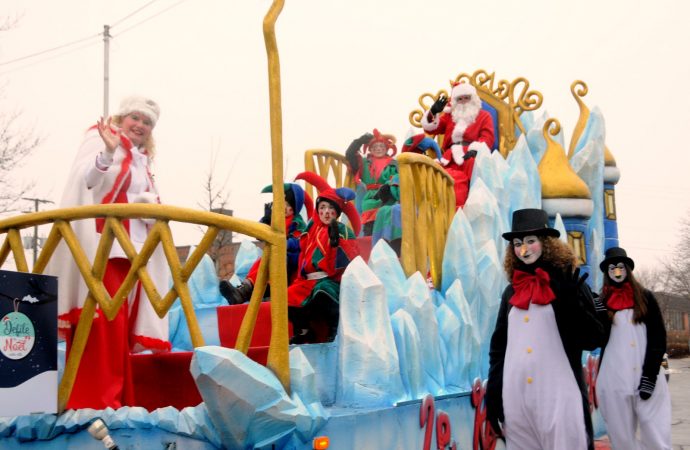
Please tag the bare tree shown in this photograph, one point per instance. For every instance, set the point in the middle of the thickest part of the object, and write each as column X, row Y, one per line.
column 678, row 267
column 216, row 194
column 16, row 143
column 656, row 280
column 216, row 199
column 8, row 22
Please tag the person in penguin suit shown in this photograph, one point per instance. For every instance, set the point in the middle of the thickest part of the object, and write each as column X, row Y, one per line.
column 632, row 392
column 466, row 129
column 547, row 317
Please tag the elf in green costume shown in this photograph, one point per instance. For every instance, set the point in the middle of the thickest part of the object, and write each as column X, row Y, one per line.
column 371, row 163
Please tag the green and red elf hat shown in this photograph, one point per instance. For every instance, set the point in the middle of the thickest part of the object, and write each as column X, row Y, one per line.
column 420, row 143
column 295, row 196
column 387, row 139
column 339, row 197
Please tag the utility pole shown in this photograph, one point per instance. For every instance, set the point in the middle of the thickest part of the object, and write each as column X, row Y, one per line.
column 35, row 239
column 106, row 69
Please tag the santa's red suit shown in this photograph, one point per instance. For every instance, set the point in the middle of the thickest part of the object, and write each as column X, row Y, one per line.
column 459, row 138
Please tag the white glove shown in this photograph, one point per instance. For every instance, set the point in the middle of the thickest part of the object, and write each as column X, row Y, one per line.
column 458, row 153
column 145, row 197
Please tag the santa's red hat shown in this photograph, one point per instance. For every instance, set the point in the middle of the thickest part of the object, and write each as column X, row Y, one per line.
column 339, row 198
column 387, row 139
column 458, row 89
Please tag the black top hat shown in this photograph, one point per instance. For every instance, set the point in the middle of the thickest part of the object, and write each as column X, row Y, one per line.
column 614, row 255
column 530, row 222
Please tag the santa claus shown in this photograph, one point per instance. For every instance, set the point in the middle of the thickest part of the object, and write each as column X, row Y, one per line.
column 467, row 129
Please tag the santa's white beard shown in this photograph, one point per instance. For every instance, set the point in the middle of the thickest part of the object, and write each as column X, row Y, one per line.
column 464, row 114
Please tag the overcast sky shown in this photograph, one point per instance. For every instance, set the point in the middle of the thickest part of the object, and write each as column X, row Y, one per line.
column 347, row 67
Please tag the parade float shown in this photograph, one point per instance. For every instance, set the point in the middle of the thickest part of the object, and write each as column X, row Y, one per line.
column 407, row 367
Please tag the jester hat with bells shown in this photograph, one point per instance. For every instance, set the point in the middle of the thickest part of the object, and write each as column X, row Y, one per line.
column 387, row 139
column 420, row 143
column 339, row 197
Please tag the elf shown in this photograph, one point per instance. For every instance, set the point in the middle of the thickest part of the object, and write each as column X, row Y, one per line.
column 326, row 249
column 294, row 227
column 633, row 394
column 371, row 163
column 547, row 317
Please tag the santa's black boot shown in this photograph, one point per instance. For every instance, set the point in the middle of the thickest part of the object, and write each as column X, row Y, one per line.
column 236, row 295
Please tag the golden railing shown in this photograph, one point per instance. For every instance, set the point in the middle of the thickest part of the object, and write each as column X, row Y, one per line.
column 160, row 234
column 331, row 165
column 427, row 204
column 278, row 356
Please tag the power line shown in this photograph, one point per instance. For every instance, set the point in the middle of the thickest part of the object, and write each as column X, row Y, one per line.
column 33, row 63
column 150, row 17
column 97, row 35
column 21, row 58
column 132, row 13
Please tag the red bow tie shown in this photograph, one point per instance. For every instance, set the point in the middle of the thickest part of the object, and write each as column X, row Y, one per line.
column 532, row 288
column 619, row 297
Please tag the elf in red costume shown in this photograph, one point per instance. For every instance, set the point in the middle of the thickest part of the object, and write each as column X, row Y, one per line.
column 294, row 227
column 466, row 129
column 112, row 166
column 632, row 390
column 326, row 249
column 547, row 317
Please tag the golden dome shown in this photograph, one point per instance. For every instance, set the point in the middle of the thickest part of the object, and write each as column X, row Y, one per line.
column 558, row 179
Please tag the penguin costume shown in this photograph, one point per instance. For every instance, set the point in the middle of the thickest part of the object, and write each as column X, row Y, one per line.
column 631, row 389
column 547, row 317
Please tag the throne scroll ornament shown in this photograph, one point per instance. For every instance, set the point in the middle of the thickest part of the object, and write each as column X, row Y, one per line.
column 509, row 98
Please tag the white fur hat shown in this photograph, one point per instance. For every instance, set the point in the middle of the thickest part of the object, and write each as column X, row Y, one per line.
column 142, row 104
column 463, row 89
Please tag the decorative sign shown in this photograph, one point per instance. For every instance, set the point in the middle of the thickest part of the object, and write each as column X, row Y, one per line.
column 28, row 344
column 17, row 334
column 444, row 438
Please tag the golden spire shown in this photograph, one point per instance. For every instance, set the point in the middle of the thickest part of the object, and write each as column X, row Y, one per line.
column 609, row 160
column 558, row 179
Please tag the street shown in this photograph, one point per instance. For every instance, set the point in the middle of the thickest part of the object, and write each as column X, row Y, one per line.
column 679, row 384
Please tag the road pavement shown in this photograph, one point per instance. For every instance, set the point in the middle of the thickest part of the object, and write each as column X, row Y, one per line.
column 679, row 385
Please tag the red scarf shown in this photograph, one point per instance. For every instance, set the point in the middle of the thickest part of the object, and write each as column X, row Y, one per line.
column 619, row 297
column 531, row 288
column 118, row 194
